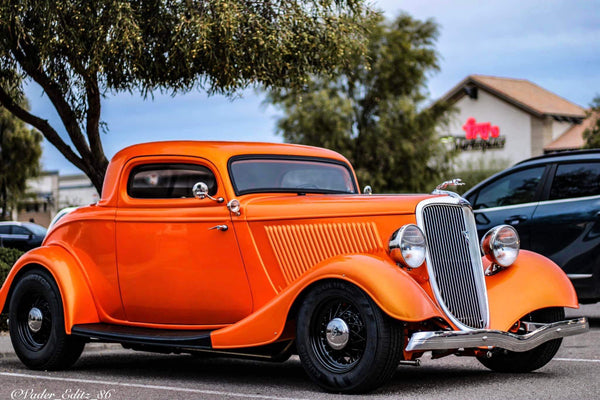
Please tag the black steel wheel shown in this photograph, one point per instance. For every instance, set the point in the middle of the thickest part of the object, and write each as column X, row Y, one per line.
column 34, row 321
column 36, row 324
column 345, row 342
column 527, row 361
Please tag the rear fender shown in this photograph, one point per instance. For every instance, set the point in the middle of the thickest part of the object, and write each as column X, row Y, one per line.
column 77, row 300
column 394, row 291
column 531, row 283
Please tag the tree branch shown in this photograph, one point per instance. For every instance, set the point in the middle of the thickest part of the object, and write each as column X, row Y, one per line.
column 93, row 118
column 27, row 61
column 43, row 126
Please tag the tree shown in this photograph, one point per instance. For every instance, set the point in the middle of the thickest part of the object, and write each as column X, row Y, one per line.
column 592, row 133
column 79, row 51
column 20, row 152
column 372, row 111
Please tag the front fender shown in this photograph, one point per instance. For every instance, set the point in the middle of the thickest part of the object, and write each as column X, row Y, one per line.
column 77, row 300
column 531, row 283
column 394, row 291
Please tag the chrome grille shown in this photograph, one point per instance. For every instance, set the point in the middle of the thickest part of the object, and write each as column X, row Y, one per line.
column 454, row 263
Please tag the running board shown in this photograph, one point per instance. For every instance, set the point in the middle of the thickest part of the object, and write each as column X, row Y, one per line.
column 188, row 339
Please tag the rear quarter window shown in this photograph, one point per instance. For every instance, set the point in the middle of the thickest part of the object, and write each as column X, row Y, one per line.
column 576, row 180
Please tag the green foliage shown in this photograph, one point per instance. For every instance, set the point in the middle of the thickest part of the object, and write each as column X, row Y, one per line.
column 80, row 50
column 372, row 110
column 592, row 133
column 474, row 172
column 7, row 258
column 20, row 152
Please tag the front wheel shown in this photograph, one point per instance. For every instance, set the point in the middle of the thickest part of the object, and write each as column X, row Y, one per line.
column 345, row 343
column 36, row 324
column 527, row 361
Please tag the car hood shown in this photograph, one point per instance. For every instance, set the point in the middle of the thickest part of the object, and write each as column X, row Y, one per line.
column 321, row 206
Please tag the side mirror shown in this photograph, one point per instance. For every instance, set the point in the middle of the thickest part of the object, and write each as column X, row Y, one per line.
column 368, row 190
column 200, row 191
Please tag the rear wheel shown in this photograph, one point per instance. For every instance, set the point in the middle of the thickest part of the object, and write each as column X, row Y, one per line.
column 527, row 361
column 36, row 324
column 345, row 342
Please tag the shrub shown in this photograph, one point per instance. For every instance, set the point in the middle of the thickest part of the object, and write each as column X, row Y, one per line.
column 8, row 257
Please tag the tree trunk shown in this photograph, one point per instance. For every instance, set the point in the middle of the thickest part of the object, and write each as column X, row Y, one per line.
column 3, row 201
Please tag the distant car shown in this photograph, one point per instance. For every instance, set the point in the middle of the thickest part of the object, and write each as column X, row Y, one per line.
column 61, row 213
column 21, row 235
column 554, row 203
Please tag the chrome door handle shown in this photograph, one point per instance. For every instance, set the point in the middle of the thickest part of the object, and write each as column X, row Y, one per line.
column 221, row 228
column 515, row 219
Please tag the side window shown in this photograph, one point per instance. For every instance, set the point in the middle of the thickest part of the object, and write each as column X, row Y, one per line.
column 19, row 230
column 516, row 188
column 576, row 180
column 4, row 229
column 168, row 181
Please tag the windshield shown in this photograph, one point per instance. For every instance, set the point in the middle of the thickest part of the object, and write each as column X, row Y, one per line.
column 256, row 175
column 36, row 229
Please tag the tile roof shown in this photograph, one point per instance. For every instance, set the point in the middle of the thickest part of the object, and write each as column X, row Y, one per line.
column 522, row 93
column 573, row 138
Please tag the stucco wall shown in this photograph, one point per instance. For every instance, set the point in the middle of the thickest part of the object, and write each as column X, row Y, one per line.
column 558, row 128
column 514, row 124
column 77, row 196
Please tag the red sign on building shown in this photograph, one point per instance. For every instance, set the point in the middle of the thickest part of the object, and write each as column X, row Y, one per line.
column 484, row 130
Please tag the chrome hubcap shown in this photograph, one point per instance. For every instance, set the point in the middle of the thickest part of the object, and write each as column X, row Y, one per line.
column 34, row 319
column 337, row 334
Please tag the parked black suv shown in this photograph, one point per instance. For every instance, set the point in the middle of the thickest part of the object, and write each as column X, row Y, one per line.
column 554, row 203
column 21, row 235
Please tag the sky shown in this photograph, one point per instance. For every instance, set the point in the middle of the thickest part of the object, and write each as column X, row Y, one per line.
column 553, row 43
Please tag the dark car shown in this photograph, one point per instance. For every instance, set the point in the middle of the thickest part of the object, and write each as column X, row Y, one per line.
column 21, row 235
column 554, row 203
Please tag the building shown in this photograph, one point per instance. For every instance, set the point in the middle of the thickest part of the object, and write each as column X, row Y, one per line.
column 52, row 192
column 509, row 120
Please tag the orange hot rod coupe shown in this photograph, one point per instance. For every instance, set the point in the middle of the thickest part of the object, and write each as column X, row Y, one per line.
column 266, row 250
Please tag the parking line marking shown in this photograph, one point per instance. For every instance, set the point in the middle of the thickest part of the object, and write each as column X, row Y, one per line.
column 577, row 360
column 156, row 387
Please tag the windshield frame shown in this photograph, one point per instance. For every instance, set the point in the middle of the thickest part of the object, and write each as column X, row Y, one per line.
column 284, row 157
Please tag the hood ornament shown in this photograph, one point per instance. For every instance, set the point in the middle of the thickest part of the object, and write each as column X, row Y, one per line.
column 441, row 189
column 451, row 182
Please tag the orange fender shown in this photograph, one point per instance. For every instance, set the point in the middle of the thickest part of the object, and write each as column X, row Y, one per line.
column 78, row 303
column 531, row 283
column 394, row 291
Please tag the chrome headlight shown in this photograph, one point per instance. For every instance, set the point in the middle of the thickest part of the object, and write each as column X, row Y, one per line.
column 407, row 246
column 501, row 245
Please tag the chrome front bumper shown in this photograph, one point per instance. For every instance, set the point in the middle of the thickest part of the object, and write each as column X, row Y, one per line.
column 448, row 340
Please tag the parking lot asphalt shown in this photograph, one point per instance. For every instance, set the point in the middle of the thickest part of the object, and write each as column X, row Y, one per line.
column 106, row 371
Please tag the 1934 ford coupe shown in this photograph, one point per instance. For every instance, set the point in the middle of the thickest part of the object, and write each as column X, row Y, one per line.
column 270, row 249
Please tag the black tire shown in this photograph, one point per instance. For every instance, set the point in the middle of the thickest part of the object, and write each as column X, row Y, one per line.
column 527, row 361
column 47, row 346
column 374, row 344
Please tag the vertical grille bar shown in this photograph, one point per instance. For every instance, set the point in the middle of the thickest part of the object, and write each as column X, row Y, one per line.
column 454, row 268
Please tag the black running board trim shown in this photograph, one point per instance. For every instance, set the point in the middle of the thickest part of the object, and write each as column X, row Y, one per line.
column 190, row 339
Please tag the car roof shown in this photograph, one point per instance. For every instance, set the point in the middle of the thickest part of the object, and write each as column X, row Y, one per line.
column 11, row 223
column 19, row 223
column 564, row 156
column 592, row 154
column 217, row 152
